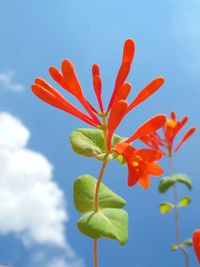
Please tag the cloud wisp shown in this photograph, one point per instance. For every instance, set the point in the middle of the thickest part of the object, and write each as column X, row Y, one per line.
column 7, row 83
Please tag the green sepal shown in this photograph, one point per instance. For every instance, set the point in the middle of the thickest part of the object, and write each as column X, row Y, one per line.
column 168, row 181
column 185, row 201
column 166, row 207
column 121, row 160
column 84, row 193
column 90, row 143
column 109, row 223
column 188, row 242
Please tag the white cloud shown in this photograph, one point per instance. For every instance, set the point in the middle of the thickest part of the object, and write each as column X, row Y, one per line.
column 41, row 259
column 7, row 83
column 31, row 203
column 57, row 262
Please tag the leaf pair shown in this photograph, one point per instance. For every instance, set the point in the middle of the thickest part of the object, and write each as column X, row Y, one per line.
column 111, row 221
column 168, row 181
column 166, row 206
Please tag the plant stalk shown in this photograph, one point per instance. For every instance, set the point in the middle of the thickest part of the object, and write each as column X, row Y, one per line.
column 176, row 215
column 99, row 180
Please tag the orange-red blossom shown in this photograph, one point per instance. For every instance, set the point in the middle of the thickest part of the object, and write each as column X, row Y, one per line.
column 117, row 108
column 170, row 130
column 141, row 163
column 196, row 243
column 68, row 80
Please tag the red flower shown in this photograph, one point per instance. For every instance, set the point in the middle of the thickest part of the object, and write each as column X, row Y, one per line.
column 68, row 80
column 141, row 162
column 171, row 128
column 196, row 243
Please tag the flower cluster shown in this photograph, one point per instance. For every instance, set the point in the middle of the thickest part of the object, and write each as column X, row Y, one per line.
column 141, row 162
column 171, row 128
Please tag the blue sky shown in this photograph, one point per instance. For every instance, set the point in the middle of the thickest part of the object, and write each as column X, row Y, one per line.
column 38, row 34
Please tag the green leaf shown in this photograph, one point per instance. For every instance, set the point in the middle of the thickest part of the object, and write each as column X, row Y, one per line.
column 90, row 143
column 84, row 192
column 185, row 201
column 110, row 223
column 188, row 242
column 165, row 207
column 174, row 247
column 165, row 183
column 169, row 181
column 184, row 179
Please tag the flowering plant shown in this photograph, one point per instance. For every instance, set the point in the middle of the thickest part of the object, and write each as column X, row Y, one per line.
column 102, row 209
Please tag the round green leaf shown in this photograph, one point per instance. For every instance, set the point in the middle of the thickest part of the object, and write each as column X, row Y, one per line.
column 109, row 223
column 185, row 201
column 165, row 207
column 166, row 183
column 169, row 181
column 84, row 192
column 184, row 179
column 90, row 143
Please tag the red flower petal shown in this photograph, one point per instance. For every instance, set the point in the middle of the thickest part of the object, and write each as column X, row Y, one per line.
column 149, row 126
column 97, row 84
column 180, row 125
column 49, row 95
column 144, row 181
column 146, row 92
column 129, row 50
column 124, row 149
column 133, row 175
column 127, row 58
column 74, row 87
column 149, row 155
column 95, row 70
column 196, row 243
column 154, row 169
column 123, row 92
column 58, row 77
column 173, row 115
column 116, row 115
column 92, row 108
column 189, row 133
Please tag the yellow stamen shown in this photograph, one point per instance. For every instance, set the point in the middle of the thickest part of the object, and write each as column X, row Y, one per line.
column 135, row 163
column 171, row 123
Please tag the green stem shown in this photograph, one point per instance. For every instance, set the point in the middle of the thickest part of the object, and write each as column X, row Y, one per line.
column 176, row 215
column 99, row 180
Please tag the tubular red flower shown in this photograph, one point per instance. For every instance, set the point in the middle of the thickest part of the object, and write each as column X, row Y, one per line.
column 74, row 86
column 189, row 133
column 170, row 129
column 123, row 93
column 116, row 115
column 127, row 59
column 149, row 126
column 150, row 89
column 69, row 81
column 49, row 95
column 196, row 243
column 140, row 162
column 97, row 84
